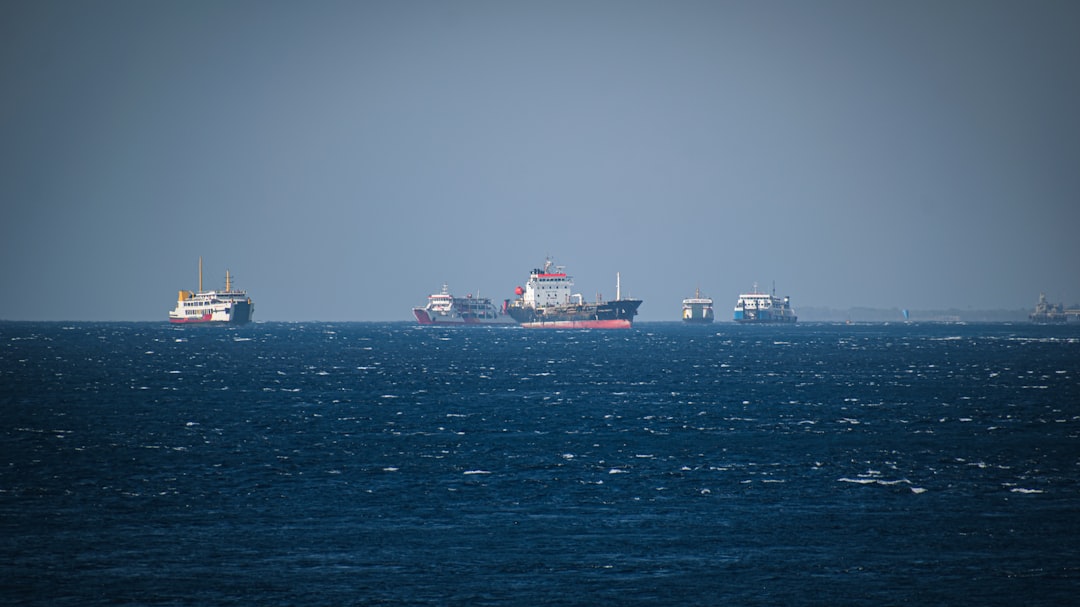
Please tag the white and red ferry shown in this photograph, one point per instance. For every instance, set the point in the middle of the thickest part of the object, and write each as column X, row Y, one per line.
column 216, row 307
column 547, row 302
column 445, row 309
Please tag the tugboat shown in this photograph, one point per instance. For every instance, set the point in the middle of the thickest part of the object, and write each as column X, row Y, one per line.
column 697, row 309
column 761, row 308
column 546, row 302
column 212, row 307
column 445, row 309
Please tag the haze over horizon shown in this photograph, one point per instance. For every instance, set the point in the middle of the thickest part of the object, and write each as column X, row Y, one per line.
column 345, row 159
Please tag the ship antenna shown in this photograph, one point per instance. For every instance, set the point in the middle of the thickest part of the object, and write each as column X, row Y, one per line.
column 200, row 273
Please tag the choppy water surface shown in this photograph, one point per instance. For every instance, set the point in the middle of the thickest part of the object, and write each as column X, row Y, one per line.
column 335, row 464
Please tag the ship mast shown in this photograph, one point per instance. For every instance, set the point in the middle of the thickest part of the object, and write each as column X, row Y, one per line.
column 228, row 281
column 200, row 274
column 618, row 286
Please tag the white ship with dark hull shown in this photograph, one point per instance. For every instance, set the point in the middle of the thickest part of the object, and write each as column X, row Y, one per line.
column 445, row 309
column 212, row 307
column 546, row 302
column 763, row 308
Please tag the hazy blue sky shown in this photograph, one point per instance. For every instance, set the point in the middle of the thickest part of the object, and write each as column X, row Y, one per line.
column 344, row 159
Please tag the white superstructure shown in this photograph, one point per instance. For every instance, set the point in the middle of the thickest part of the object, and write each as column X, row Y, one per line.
column 445, row 309
column 549, row 288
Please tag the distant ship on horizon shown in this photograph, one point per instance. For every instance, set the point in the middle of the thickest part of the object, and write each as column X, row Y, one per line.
column 212, row 307
column 761, row 308
column 697, row 309
column 445, row 309
column 1046, row 312
column 546, row 302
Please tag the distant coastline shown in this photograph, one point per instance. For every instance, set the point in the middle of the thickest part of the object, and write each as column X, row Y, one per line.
column 821, row 314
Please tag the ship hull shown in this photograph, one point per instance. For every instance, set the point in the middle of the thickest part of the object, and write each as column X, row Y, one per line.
column 618, row 314
column 205, row 321
column 618, row 323
column 763, row 319
column 426, row 318
column 239, row 314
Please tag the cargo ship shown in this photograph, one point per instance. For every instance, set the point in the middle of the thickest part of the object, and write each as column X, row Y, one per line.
column 546, row 302
column 757, row 307
column 697, row 309
column 445, row 309
column 212, row 307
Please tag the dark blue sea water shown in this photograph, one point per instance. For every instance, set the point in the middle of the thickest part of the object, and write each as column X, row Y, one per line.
column 388, row 464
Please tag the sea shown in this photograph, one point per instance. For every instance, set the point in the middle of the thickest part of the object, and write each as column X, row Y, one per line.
column 392, row 464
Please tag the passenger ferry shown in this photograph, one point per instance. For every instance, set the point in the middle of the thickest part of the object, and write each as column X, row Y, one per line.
column 445, row 309
column 757, row 307
column 212, row 307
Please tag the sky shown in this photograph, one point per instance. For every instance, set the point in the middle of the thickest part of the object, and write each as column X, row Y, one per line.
column 343, row 160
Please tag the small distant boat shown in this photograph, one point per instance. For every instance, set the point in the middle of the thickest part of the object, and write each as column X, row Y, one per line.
column 1048, row 313
column 761, row 308
column 445, row 309
column 212, row 307
column 697, row 309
